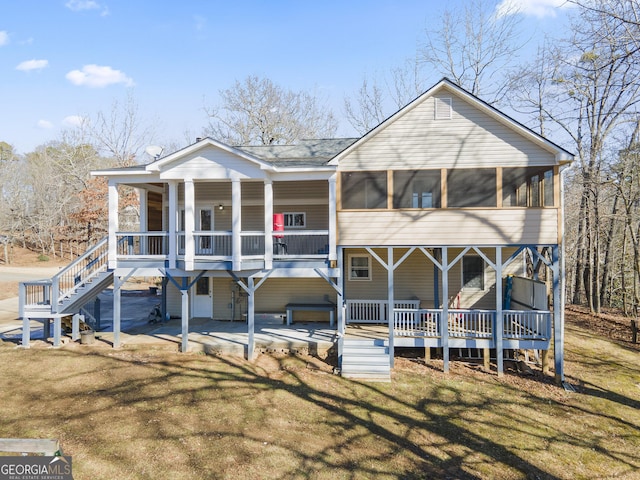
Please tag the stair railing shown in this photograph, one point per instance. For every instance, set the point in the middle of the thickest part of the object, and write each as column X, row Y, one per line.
column 78, row 272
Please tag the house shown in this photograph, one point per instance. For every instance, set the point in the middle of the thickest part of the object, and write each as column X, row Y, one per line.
column 436, row 212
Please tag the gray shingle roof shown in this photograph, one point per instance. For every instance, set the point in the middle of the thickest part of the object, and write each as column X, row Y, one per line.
column 314, row 152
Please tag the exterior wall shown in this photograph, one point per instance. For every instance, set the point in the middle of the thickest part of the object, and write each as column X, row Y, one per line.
column 512, row 226
column 274, row 294
column 470, row 139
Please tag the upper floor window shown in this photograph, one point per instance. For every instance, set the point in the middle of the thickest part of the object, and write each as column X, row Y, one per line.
column 471, row 187
column 416, row 189
column 364, row 190
column 295, row 220
column 527, row 187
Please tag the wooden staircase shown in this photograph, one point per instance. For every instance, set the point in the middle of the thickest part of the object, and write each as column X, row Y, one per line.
column 366, row 360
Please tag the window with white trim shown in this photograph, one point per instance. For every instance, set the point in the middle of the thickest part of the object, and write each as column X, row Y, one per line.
column 472, row 272
column 295, row 219
column 359, row 267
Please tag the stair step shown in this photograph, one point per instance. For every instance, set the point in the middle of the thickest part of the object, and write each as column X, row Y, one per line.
column 366, row 368
column 367, row 376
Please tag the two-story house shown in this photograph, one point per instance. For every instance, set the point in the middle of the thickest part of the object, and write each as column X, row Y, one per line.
column 417, row 226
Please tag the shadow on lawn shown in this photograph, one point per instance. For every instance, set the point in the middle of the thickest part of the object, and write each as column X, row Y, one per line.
column 374, row 429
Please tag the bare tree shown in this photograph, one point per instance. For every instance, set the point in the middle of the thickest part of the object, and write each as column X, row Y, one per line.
column 474, row 46
column 257, row 111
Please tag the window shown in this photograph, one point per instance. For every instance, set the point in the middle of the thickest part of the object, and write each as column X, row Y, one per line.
column 364, row 190
column 471, row 187
column 527, row 187
column 472, row 272
column 359, row 267
column 416, row 189
column 295, row 220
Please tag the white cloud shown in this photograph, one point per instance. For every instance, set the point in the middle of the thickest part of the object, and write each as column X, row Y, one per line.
column 81, row 5
column 73, row 121
column 29, row 65
column 4, row 38
column 537, row 8
column 45, row 124
column 97, row 76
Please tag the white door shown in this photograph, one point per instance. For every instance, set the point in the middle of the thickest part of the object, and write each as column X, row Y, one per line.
column 202, row 294
column 204, row 223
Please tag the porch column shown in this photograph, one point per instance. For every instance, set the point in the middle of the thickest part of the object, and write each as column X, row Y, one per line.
column 173, row 220
column 333, row 225
column 444, row 319
column 268, row 224
column 189, row 224
column 117, row 284
column 112, row 253
column 391, row 305
column 184, row 292
column 558, row 319
column 340, row 307
column 236, row 224
column 144, row 221
column 251, row 291
column 499, row 326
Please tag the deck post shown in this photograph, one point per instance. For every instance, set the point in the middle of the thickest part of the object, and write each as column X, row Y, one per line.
column 251, row 313
column 340, row 306
column 173, row 210
column 144, row 221
column 26, row 331
column 391, row 304
column 444, row 319
column 184, row 292
column 268, row 224
column 558, row 317
column 117, row 284
column 332, row 217
column 499, row 323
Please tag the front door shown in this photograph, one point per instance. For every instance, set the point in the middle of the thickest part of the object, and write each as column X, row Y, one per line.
column 203, row 298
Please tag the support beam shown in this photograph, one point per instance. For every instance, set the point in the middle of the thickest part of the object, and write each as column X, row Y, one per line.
column 341, row 306
column 236, row 224
column 173, row 221
column 184, row 293
column 26, row 331
column 333, row 216
column 558, row 319
column 391, row 304
column 117, row 284
column 112, row 253
column 251, row 310
column 268, row 224
column 499, row 326
column 189, row 224
column 444, row 320
column 144, row 221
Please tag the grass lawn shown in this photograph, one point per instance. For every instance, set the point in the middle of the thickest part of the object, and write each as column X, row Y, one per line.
column 131, row 414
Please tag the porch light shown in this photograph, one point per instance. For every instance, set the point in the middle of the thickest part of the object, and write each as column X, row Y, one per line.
column 221, row 207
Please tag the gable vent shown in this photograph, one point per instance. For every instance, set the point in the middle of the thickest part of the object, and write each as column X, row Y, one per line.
column 442, row 108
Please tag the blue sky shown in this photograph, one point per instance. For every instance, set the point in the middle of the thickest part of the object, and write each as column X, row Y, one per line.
column 62, row 59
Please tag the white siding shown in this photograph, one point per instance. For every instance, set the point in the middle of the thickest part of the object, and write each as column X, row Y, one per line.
column 470, row 139
column 449, row 227
column 212, row 163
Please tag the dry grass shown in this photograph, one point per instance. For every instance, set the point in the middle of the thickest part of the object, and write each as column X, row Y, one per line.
column 132, row 414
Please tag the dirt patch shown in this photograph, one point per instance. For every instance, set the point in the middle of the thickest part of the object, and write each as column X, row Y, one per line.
column 609, row 324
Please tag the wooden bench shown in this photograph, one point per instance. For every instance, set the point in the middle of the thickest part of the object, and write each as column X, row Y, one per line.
column 48, row 447
column 311, row 307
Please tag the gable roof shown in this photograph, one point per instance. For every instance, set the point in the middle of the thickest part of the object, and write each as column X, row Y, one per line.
column 562, row 155
column 309, row 152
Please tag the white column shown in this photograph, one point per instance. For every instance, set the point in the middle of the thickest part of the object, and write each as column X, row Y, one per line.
column 268, row 224
column 144, row 223
column 340, row 307
column 189, row 224
column 558, row 319
column 236, row 224
column 117, row 283
column 499, row 321
column 113, row 225
column 444, row 320
column 391, row 307
column 251, row 319
column 173, row 221
column 185, row 316
column 333, row 218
